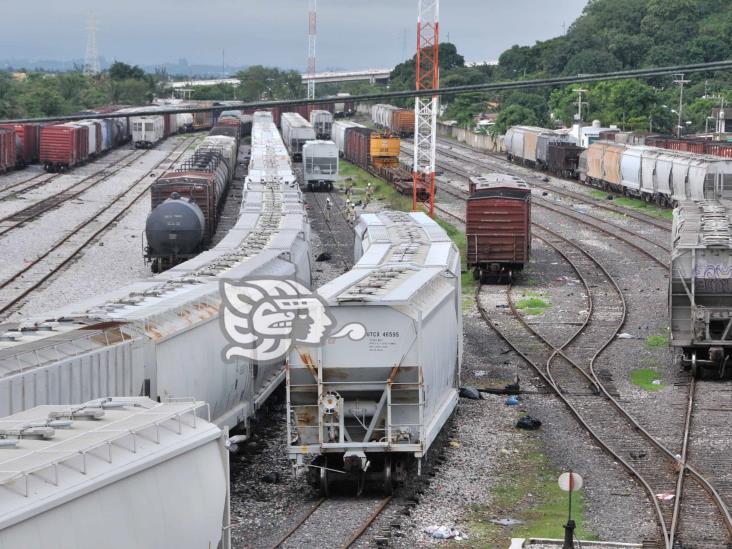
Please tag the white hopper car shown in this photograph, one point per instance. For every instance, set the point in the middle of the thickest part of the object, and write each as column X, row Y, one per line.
column 114, row 473
column 296, row 131
column 322, row 122
column 339, row 134
column 367, row 406
column 320, row 165
column 161, row 337
column 700, row 287
column 147, row 131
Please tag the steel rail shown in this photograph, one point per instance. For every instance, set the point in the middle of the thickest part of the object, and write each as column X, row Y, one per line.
column 682, row 466
column 297, row 525
column 645, row 218
column 9, row 190
column 572, row 215
column 706, row 485
column 450, row 90
column 6, row 306
column 369, row 521
column 33, row 211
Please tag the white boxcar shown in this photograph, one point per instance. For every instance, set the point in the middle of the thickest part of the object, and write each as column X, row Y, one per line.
column 146, row 131
column 161, row 337
column 322, row 122
column 114, row 473
column 366, row 406
column 700, row 292
column 184, row 121
column 339, row 134
column 295, row 132
column 320, row 165
column 94, row 146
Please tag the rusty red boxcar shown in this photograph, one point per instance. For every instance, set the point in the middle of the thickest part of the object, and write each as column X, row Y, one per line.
column 63, row 146
column 498, row 226
column 7, row 149
column 27, row 137
column 357, row 147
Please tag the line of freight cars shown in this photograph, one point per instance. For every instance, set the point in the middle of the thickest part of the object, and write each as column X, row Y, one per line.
column 60, row 147
column 186, row 200
column 376, row 152
column 310, row 143
column 162, row 337
column 664, row 176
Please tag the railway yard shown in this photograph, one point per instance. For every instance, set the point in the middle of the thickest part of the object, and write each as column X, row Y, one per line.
column 562, row 361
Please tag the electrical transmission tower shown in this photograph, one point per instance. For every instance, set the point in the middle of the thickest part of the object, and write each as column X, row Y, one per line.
column 425, row 108
column 312, row 32
column 91, row 59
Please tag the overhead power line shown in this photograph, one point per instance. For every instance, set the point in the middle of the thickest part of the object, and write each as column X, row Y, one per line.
column 453, row 90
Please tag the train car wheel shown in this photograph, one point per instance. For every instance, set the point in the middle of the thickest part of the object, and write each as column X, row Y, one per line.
column 323, row 485
column 388, row 486
column 695, row 370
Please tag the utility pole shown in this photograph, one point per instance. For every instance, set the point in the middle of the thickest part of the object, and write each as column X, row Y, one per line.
column 721, row 118
column 680, row 81
column 426, row 108
column 312, row 33
column 223, row 64
column 91, row 58
column 579, row 103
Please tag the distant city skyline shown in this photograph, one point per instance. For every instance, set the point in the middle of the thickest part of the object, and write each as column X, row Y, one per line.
column 351, row 35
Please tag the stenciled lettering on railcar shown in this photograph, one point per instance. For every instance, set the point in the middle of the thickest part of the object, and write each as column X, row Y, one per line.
column 263, row 318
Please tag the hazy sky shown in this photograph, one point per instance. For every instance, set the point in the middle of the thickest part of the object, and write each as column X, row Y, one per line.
column 351, row 33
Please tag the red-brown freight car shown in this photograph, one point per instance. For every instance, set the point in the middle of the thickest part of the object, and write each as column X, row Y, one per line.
column 28, row 137
column 7, row 149
column 357, row 146
column 63, row 146
column 498, row 226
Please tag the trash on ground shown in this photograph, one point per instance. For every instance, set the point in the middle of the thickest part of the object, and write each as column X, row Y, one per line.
column 507, row 521
column 479, row 373
column 625, row 335
column 470, row 392
column 665, row 496
column 445, row 532
column 656, row 382
column 454, row 444
column 324, row 256
column 528, row 422
column 512, row 401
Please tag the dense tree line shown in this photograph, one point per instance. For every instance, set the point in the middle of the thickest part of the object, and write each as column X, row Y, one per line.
column 609, row 35
column 45, row 94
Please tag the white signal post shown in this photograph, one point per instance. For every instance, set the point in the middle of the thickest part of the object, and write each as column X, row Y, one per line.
column 569, row 482
column 426, row 108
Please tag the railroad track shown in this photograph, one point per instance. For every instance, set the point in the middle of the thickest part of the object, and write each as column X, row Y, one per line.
column 651, row 248
column 452, row 150
column 34, row 274
column 569, row 369
column 33, row 183
column 33, row 211
column 336, row 226
column 572, row 376
column 321, row 516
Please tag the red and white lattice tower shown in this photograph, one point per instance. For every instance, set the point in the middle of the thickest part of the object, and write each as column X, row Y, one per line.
column 425, row 108
column 312, row 32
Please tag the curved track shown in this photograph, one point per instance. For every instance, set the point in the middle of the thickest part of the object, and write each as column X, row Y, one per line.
column 493, row 161
column 569, row 370
column 50, row 262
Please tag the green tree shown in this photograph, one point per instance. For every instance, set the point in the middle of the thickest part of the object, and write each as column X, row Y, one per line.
column 514, row 115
